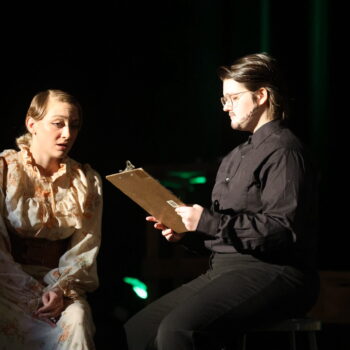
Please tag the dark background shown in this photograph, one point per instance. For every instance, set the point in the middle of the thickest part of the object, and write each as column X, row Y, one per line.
column 145, row 74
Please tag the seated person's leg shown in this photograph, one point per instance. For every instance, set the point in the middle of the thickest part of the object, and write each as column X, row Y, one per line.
column 217, row 309
column 141, row 329
column 77, row 325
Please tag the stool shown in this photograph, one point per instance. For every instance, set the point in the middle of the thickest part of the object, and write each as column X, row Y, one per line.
column 293, row 325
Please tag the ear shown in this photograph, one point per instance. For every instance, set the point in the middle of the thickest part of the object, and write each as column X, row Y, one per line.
column 30, row 124
column 262, row 96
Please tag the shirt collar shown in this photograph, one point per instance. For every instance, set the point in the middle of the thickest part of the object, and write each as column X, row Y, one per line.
column 30, row 165
column 264, row 132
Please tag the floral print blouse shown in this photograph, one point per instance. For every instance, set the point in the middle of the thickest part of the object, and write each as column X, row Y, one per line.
column 67, row 204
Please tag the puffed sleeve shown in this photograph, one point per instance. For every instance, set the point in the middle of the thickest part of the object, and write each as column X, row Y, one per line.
column 77, row 271
column 15, row 285
column 2, row 166
column 4, row 240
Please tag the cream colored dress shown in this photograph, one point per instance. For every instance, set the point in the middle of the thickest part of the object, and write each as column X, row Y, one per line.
column 67, row 205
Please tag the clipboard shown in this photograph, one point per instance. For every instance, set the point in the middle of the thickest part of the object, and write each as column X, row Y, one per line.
column 150, row 195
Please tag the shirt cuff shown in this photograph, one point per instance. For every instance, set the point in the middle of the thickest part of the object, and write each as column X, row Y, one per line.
column 209, row 223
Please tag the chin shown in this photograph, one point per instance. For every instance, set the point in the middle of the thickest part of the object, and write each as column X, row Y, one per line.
column 61, row 155
column 235, row 126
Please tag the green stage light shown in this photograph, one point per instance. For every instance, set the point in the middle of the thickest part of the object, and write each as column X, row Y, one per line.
column 198, row 180
column 141, row 293
column 138, row 287
column 171, row 184
column 185, row 174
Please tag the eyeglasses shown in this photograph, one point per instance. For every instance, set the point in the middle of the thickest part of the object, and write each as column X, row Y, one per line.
column 232, row 99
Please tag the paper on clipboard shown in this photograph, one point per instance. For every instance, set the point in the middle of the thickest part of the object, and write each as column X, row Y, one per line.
column 149, row 194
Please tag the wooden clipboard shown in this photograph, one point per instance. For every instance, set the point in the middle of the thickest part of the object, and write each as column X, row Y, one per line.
column 149, row 194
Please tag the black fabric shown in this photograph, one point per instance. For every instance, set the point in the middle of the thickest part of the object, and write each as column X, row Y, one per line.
column 236, row 293
column 260, row 230
column 264, row 200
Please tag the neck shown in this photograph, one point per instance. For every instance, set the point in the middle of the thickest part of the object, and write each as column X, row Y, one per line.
column 47, row 166
column 264, row 118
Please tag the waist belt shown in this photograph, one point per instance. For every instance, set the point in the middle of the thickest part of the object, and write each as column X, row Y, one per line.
column 37, row 251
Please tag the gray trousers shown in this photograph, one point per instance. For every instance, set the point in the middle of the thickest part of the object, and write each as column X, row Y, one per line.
column 236, row 293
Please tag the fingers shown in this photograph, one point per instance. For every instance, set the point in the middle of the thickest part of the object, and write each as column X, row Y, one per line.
column 184, row 211
column 49, row 311
column 50, row 298
column 46, row 298
column 167, row 232
column 53, row 304
column 51, row 321
column 151, row 218
column 172, row 236
column 187, row 210
column 181, row 209
column 190, row 215
column 50, row 308
column 54, row 313
column 158, row 225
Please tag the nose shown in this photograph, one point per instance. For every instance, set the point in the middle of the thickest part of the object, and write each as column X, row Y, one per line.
column 227, row 106
column 66, row 132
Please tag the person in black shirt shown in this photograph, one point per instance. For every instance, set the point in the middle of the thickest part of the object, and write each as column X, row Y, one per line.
column 260, row 228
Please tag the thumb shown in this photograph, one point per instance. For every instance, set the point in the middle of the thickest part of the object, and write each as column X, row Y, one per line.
column 45, row 298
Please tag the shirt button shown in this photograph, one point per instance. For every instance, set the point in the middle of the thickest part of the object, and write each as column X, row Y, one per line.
column 227, row 179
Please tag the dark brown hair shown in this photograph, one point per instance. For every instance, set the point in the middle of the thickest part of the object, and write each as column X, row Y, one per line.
column 257, row 71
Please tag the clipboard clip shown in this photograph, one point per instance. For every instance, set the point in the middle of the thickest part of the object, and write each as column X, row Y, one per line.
column 129, row 166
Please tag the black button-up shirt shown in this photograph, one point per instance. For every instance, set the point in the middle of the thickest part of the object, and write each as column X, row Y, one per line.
column 263, row 200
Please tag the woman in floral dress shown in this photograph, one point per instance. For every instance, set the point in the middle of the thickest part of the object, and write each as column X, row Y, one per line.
column 50, row 228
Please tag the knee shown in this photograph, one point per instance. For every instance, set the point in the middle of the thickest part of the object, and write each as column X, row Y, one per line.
column 165, row 333
column 139, row 334
column 77, row 313
column 172, row 334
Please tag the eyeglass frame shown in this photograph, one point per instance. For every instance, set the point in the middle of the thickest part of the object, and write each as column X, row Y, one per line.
column 225, row 100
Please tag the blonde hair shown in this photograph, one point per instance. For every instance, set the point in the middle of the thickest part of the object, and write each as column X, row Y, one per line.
column 38, row 109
